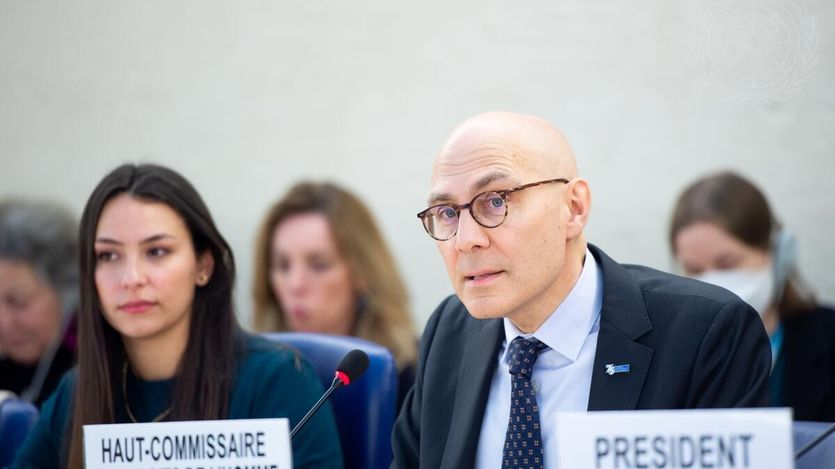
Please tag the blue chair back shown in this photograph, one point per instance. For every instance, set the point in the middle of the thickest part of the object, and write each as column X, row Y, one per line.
column 821, row 456
column 365, row 410
column 16, row 419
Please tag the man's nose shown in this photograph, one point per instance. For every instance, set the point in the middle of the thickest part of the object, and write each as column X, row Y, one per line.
column 470, row 234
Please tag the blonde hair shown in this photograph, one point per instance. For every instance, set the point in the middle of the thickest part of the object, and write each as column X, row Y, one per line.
column 384, row 317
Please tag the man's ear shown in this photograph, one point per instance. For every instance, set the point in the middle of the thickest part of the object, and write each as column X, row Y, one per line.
column 205, row 268
column 578, row 198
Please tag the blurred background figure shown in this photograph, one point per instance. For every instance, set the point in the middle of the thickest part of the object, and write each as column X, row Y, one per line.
column 322, row 265
column 38, row 297
column 723, row 232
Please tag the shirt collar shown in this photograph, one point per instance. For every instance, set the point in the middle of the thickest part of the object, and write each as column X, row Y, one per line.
column 567, row 327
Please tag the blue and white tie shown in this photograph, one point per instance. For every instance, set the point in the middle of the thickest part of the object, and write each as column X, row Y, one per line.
column 523, row 441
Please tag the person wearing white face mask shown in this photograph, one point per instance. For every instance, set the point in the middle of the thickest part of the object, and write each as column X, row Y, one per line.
column 723, row 232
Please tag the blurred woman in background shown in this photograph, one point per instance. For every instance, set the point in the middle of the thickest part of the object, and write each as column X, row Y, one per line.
column 158, row 337
column 38, row 297
column 723, row 232
column 322, row 265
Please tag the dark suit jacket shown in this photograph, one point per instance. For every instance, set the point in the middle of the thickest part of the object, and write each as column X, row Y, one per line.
column 689, row 345
column 808, row 355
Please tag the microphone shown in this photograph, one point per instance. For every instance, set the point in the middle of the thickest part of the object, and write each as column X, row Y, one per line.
column 352, row 366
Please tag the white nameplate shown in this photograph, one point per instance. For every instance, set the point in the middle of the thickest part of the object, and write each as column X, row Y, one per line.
column 208, row 444
column 693, row 439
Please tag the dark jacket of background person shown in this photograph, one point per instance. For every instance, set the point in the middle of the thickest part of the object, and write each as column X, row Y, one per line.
column 16, row 377
column 690, row 345
column 807, row 364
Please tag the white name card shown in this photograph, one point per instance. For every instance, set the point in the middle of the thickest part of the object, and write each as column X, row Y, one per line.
column 673, row 439
column 208, row 444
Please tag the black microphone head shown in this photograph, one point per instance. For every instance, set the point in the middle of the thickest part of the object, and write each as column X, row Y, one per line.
column 352, row 366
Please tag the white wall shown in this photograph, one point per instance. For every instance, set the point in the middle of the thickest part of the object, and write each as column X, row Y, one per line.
column 245, row 98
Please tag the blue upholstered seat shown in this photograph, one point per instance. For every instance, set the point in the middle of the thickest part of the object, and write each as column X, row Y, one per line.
column 365, row 410
column 16, row 419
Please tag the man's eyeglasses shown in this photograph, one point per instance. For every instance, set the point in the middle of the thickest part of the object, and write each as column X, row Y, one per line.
column 488, row 209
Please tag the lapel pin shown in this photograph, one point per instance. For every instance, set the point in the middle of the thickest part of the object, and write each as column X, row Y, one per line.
column 612, row 369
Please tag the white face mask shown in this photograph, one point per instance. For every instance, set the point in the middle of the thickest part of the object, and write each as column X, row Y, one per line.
column 754, row 286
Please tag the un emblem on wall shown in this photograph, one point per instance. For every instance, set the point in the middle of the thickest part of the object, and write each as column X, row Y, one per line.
column 760, row 49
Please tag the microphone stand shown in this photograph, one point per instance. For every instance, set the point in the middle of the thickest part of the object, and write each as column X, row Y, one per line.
column 336, row 384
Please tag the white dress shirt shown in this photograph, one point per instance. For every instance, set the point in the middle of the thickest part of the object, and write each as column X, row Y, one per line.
column 561, row 374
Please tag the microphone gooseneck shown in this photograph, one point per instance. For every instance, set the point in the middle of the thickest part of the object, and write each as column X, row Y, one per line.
column 351, row 367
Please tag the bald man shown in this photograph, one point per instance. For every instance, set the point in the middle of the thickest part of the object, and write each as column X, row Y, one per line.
column 543, row 322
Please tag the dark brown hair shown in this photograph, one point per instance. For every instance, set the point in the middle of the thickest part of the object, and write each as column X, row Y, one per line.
column 383, row 315
column 737, row 206
column 729, row 201
column 202, row 388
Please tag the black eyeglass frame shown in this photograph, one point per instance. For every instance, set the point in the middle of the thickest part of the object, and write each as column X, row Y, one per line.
column 458, row 207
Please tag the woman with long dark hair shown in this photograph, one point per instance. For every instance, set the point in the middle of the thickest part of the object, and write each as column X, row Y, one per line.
column 158, row 338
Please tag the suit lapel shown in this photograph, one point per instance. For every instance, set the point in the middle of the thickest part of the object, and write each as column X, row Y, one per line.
column 473, row 386
column 623, row 319
column 618, row 391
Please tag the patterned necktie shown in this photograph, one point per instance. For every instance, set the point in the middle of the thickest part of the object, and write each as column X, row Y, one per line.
column 523, row 441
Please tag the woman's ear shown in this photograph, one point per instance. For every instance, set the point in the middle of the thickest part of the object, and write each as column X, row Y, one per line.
column 205, row 268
